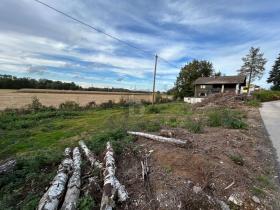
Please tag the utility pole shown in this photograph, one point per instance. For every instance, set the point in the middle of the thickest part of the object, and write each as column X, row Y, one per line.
column 154, row 84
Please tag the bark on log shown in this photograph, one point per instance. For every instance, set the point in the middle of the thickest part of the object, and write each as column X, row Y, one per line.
column 54, row 194
column 7, row 166
column 111, row 183
column 90, row 156
column 109, row 189
column 74, row 184
column 160, row 138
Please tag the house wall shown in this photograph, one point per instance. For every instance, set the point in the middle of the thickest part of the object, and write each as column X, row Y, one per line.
column 212, row 89
column 206, row 90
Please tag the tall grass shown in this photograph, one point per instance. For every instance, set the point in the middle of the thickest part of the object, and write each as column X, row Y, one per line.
column 267, row 95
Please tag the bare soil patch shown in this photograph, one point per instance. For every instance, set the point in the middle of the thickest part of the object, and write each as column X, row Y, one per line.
column 206, row 174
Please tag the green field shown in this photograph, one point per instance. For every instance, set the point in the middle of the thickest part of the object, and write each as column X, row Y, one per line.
column 37, row 139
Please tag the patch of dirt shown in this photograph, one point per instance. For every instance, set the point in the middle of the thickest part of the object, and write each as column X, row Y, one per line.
column 204, row 176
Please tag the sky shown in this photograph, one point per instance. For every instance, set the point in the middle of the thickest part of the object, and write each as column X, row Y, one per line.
column 37, row 42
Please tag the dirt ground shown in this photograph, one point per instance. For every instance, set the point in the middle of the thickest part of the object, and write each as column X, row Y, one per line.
column 204, row 176
column 14, row 99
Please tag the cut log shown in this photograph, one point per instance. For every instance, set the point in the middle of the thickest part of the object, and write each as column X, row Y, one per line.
column 54, row 194
column 74, row 184
column 159, row 138
column 109, row 188
column 111, row 183
column 90, row 156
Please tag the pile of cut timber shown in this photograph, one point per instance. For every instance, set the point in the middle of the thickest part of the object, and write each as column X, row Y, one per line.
column 64, row 190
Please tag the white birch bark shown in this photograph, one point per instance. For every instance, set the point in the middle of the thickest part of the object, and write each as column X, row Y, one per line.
column 54, row 194
column 90, row 156
column 159, row 138
column 74, row 184
column 109, row 188
column 111, row 183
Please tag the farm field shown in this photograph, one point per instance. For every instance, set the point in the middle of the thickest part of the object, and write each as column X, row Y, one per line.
column 228, row 145
column 18, row 99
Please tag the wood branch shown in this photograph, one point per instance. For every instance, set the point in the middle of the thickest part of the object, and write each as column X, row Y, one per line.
column 54, row 194
column 159, row 138
column 109, row 188
column 145, row 168
column 90, row 156
column 74, row 184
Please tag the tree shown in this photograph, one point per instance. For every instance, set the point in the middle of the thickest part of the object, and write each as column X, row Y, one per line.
column 274, row 75
column 188, row 74
column 253, row 66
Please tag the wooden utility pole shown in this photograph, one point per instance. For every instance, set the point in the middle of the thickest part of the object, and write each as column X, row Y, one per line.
column 154, row 84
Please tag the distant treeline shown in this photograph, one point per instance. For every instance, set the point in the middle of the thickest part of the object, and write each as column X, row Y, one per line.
column 12, row 82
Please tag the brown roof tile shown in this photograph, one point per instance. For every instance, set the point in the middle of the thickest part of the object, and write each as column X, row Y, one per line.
column 220, row 80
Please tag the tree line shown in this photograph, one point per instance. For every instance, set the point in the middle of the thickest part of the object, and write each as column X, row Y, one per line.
column 253, row 68
column 13, row 82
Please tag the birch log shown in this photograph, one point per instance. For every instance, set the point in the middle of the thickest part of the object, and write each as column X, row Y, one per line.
column 159, row 138
column 74, row 184
column 111, row 183
column 109, row 188
column 90, row 156
column 54, row 194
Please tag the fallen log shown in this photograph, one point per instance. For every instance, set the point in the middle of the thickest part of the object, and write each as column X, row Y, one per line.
column 54, row 194
column 74, row 184
column 90, row 156
column 109, row 188
column 159, row 138
column 111, row 183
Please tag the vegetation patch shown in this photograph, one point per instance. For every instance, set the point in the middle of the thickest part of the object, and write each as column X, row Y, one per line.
column 237, row 159
column 267, row 95
column 226, row 118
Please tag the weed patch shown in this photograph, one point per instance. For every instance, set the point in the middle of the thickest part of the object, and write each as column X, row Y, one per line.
column 237, row 159
column 226, row 118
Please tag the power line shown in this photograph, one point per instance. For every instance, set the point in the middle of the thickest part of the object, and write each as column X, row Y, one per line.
column 103, row 32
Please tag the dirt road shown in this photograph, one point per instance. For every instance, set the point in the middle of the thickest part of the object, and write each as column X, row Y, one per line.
column 270, row 112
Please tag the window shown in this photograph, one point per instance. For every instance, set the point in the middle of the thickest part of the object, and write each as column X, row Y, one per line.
column 202, row 86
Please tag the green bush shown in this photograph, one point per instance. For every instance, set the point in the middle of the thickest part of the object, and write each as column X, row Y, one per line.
column 226, row 118
column 153, row 109
column 266, row 95
column 69, row 105
column 107, row 105
column 194, row 126
column 35, row 105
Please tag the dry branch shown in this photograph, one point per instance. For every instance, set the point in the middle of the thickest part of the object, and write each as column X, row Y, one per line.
column 159, row 138
column 54, row 194
column 74, row 184
column 111, row 183
column 90, row 156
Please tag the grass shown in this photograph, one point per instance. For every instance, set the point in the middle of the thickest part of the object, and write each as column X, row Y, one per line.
column 226, row 118
column 266, row 95
column 253, row 103
column 37, row 138
column 237, row 159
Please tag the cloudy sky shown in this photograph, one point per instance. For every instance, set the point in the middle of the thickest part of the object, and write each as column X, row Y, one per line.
column 40, row 43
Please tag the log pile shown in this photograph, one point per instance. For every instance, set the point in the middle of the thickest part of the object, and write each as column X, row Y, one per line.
column 64, row 190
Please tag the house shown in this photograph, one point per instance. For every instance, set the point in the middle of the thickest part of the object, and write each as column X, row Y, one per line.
column 205, row 86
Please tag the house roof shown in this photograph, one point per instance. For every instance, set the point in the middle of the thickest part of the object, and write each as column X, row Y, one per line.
column 220, row 80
